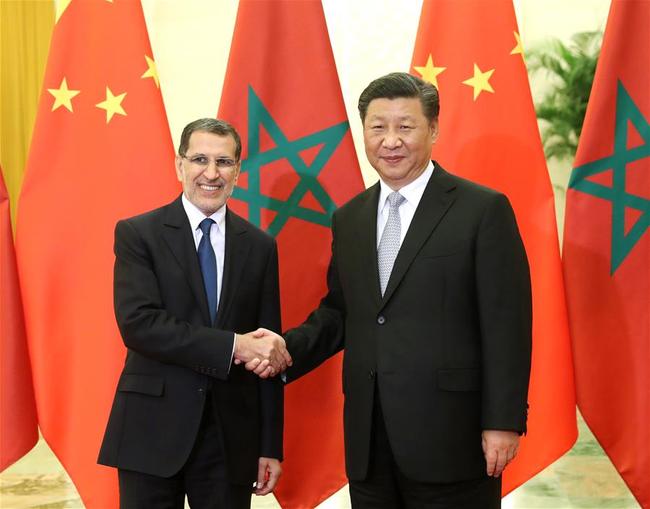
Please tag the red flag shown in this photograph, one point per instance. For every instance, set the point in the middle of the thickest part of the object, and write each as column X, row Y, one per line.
column 282, row 93
column 101, row 150
column 607, row 249
column 488, row 133
column 18, row 423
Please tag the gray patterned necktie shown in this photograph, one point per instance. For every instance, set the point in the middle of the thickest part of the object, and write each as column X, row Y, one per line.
column 390, row 239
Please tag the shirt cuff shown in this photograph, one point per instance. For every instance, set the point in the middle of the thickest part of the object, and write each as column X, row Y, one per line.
column 232, row 354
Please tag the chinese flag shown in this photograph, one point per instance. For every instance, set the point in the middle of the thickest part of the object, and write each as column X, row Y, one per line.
column 607, row 249
column 282, row 93
column 18, row 423
column 101, row 150
column 488, row 133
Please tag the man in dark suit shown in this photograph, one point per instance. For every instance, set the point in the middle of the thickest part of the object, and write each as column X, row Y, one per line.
column 186, row 420
column 429, row 295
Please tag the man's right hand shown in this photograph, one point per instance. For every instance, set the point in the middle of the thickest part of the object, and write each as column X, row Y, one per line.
column 263, row 351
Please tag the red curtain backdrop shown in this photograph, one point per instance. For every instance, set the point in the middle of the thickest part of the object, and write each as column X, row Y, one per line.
column 607, row 249
column 282, row 93
column 488, row 133
column 101, row 150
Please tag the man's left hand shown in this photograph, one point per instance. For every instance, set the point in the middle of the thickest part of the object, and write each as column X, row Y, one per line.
column 268, row 473
column 500, row 448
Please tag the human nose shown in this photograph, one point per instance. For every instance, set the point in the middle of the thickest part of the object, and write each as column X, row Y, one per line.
column 392, row 139
column 212, row 171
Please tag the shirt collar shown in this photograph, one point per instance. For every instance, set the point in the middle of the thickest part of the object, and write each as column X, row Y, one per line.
column 412, row 192
column 195, row 216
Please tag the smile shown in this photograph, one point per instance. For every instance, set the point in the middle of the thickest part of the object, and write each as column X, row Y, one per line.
column 207, row 187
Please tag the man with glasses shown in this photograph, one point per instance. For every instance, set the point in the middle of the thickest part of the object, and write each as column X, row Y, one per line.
column 189, row 278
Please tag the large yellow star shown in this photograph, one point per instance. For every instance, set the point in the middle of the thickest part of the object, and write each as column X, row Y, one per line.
column 480, row 81
column 112, row 104
column 61, row 6
column 152, row 71
column 429, row 72
column 63, row 95
column 518, row 49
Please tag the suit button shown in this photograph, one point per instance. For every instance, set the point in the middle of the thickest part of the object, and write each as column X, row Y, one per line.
column 381, row 319
column 201, row 391
column 371, row 374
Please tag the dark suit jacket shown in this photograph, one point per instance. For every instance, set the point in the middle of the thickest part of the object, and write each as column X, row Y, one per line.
column 175, row 357
column 448, row 346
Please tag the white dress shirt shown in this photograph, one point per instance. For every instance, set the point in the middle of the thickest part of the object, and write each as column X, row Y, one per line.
column 412, row 193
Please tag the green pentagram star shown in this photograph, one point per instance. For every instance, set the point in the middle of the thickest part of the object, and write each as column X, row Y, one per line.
column 329, row 138
column 622, row 244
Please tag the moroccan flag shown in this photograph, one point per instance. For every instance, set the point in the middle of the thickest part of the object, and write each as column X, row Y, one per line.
column 18, row 423
column 282, row 93
column 101, row 150
column 472, row 51
column 607, row 249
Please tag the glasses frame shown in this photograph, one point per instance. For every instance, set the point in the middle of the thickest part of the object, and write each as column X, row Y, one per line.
column 222, row 163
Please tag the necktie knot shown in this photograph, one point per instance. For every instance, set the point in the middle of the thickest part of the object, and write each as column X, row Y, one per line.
column 395, row 200
column 205, row 226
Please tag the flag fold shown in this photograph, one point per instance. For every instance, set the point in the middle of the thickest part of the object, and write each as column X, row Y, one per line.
column 18, row 420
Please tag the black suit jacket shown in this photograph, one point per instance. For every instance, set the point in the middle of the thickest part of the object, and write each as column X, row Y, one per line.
column 175, row 358
column 447, row 347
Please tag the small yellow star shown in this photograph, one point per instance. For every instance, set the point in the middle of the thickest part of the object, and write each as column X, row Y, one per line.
column 63, row 95
column 61, row 6
column 518, row 49
column 429, row 72
column 152, row 71
column 480, row 81
column 112, row 104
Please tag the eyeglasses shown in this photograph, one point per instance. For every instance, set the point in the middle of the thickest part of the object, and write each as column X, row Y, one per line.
column 201, row 161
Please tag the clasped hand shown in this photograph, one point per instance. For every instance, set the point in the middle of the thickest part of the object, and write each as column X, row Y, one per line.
column 262, row 351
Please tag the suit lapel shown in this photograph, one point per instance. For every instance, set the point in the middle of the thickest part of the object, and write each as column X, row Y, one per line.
column 178, row 236
column 435, row 201
column 236, row 252
column 367, row 237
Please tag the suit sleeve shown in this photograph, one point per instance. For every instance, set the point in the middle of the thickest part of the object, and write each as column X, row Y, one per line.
column 271, row 389
column 322, row 334
column 145, row 325
column 505, row 315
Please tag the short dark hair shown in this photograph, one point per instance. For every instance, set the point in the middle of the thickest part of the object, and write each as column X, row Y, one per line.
column 209, row 125
column 401, row 84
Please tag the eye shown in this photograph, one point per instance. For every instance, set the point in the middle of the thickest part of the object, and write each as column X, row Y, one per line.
column 376, row 127
column 406, row 127
column 224, row 162
column 199, row 160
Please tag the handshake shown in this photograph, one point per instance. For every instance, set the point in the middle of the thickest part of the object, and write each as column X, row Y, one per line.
column 262, row 351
